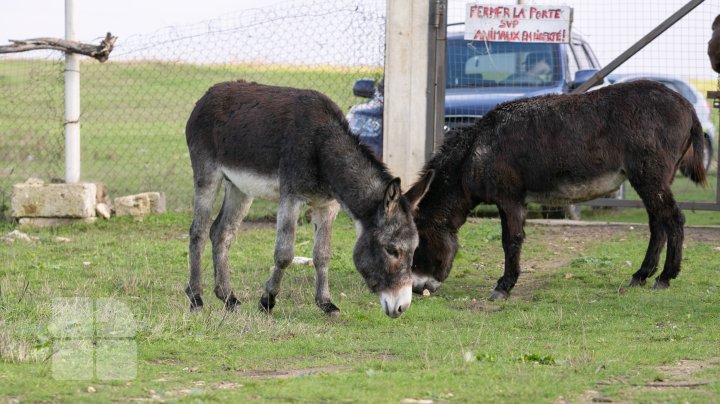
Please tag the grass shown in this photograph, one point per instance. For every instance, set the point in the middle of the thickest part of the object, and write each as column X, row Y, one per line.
column 571, row 331
column 133, row 118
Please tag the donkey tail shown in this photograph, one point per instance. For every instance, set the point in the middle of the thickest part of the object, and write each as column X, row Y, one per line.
column 693, row 164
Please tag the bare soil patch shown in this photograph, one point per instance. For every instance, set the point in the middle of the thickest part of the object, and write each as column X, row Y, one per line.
column 677, row 376
column 291, row 373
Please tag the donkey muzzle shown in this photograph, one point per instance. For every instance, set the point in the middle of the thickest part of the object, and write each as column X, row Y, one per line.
column 396, row 301
column 424, row 282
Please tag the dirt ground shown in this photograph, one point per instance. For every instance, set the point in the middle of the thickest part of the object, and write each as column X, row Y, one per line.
column 585, row 230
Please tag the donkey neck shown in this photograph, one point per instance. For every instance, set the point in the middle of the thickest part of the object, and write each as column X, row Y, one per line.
column 357, row 180
column 447, row 203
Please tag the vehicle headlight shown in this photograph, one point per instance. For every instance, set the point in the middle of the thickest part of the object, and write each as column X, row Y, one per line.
column 365, row 125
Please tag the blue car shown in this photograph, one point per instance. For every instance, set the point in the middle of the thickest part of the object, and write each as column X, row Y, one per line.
column 482, row 74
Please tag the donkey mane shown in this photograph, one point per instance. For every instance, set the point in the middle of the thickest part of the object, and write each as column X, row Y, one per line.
column 449, row 198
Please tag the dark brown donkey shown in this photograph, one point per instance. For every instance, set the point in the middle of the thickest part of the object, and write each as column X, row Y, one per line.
column 557, row 150
column 714, row 45
column 295, row 146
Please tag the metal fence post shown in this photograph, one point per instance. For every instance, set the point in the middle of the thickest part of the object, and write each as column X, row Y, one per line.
column 72, row 99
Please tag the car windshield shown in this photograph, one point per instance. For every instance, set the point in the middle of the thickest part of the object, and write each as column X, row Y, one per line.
column 493, row 64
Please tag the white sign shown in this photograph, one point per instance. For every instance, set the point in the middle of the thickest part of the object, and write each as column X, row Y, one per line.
column 518, row 23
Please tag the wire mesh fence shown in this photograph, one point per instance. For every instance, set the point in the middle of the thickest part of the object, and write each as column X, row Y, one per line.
column 134, row 107
column 485, row 71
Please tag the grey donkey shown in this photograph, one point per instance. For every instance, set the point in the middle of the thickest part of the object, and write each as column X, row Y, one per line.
column 295, row 146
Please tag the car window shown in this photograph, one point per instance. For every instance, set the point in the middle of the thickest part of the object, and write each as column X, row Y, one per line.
column 572, row 62
column 491, row 64
column 582, row 57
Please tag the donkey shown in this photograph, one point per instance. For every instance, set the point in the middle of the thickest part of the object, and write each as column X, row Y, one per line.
column 714, row 45
column 557, row 150
column 295, row 146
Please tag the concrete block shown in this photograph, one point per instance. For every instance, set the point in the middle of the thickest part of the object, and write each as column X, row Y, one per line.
column 53, row 221
column 37, row 199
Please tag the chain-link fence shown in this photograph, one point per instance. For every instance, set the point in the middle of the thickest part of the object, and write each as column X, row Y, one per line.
column 134, row 107
column 486, row 71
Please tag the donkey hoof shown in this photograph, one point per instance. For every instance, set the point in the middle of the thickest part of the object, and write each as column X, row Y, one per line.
column 267, row 302
column 498, row 295
column 330, row 309
column 660, row 284
column 232, row 303
column 196, row 303
column 636, row 282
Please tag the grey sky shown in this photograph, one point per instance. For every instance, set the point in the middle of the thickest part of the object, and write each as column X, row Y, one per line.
column 610, row 25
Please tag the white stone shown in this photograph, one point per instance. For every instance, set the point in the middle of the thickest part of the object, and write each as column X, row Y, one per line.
column 17, row 235
column 103, row 210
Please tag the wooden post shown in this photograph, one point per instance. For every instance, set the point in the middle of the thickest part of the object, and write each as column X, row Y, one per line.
column 414, row 91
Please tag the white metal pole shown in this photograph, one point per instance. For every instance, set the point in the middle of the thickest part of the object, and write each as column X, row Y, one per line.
column 72, row 99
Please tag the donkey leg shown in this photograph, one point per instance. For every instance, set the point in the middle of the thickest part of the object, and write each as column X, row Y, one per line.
column 234, row 208
column 287, row 217
column 666, row 225
column 206, row 186
column 512, row 219
column 658, row 237
column 676, row 235
column 323, row 217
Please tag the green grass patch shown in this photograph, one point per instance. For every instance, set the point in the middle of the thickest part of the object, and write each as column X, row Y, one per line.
column 570, row 329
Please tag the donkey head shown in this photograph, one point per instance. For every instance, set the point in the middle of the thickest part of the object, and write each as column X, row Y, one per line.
column 385, row 245
column 433, row 257
column 437, row 220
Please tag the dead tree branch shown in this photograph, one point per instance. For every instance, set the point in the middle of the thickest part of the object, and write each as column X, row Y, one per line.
column 100, row 52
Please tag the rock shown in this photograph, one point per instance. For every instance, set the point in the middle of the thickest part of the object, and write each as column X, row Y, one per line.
column 102, row 195
column 17, row 235
column 103, row 210
column 35, row 199
column 137, row 206
column 302, row 261
column 158, row 204
column 140, row 205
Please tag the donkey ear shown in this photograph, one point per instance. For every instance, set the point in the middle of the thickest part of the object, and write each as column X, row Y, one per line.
column 392, row 196
column 419, row 189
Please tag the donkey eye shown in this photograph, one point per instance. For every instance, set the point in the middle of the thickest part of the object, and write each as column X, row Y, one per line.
column 392, row 251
